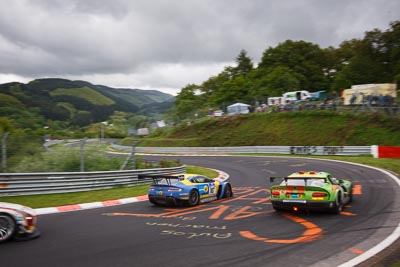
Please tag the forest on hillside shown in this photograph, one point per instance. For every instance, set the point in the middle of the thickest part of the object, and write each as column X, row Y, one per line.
column 296, row 65
column 60, row 104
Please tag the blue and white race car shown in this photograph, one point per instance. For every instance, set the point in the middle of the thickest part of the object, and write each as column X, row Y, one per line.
column 190, row 189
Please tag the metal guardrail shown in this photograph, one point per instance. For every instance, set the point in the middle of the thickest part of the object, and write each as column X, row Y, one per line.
column 287, row 150
column 13, row 184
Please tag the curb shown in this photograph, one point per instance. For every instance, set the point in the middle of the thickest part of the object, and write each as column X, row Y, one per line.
column 92, row 205
column 223, row 176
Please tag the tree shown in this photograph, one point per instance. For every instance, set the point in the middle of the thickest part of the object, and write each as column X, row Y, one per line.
column 187, row 102
column 392, row 41
column 210, row 87
column 244, row 64
column 300, row 65
column 235, row 90
column 277, row 81
column 6, row 125
column 232, row 84
column 304, row 59
column 374, row 59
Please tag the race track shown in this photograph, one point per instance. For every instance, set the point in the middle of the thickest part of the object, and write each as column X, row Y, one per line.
column 241, row 231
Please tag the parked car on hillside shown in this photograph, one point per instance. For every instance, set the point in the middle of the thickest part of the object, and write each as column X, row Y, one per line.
column 218, row 113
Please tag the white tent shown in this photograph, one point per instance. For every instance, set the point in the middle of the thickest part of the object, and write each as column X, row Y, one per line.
column 238, row 108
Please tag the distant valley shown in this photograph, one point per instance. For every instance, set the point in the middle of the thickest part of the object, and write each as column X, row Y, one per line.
column 77, row 103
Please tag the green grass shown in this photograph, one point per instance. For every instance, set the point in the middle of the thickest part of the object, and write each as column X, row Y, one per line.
column 54, row 200
column 302, row 128
column 201, row 170
column 86, row 93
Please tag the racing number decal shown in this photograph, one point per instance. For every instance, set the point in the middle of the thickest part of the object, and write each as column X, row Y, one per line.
column 209, row 189
column 212, row 189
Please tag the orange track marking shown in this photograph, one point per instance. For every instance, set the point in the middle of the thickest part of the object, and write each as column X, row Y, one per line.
column 348, row 213
column 312, row 232
column 357, row 189
column 356, row 250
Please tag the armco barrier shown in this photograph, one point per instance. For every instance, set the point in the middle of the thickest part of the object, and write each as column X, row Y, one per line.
column 287, row 150
column 13, row 184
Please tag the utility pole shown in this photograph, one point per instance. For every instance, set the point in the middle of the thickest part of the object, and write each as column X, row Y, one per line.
column 102, row 130
column 131, row 156
column 4, row 152
column 135, row 143
column 82, row 154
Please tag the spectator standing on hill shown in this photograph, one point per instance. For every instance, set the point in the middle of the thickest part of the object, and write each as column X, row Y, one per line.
column 353, row 98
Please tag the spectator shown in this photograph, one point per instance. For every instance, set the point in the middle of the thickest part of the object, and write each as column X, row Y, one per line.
column 380, row 100
column 353, row 98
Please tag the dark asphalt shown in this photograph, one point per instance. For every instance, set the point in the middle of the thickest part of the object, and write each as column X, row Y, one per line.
column 242, row 231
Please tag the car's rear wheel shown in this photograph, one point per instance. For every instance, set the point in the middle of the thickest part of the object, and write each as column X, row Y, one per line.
column 227, row 191
column 338, row 207
column 276, row 208
column 7, row 227
column 194, row 198
column 351, row 195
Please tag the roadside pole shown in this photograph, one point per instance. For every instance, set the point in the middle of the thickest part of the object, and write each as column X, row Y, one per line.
column 82, row 154
column 131, row 157
column 4, row 152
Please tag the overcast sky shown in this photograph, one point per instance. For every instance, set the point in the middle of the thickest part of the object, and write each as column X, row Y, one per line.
column 167, row 44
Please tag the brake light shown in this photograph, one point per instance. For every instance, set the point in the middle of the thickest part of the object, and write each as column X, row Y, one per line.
column 29, row 220
column 319, row 194
column 275, row 193
column 174, row 189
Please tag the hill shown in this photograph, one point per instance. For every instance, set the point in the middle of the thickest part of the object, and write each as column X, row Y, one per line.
column 76, row 102
column 300, row 128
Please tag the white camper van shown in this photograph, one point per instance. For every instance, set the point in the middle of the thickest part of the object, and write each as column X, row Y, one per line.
column 296, row 96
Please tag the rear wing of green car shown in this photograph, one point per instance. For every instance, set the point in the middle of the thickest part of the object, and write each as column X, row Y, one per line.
column 272, row 179
column 305, row 180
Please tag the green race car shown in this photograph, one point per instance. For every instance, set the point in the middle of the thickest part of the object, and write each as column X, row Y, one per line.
column 309, row 191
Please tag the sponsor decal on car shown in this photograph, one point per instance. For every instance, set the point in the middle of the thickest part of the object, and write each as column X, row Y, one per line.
column 207, row 199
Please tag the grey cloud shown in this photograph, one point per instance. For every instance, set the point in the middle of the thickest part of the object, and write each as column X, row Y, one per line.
column 93, row 37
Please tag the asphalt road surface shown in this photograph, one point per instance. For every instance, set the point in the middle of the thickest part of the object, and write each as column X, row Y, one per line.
column 240, row 231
